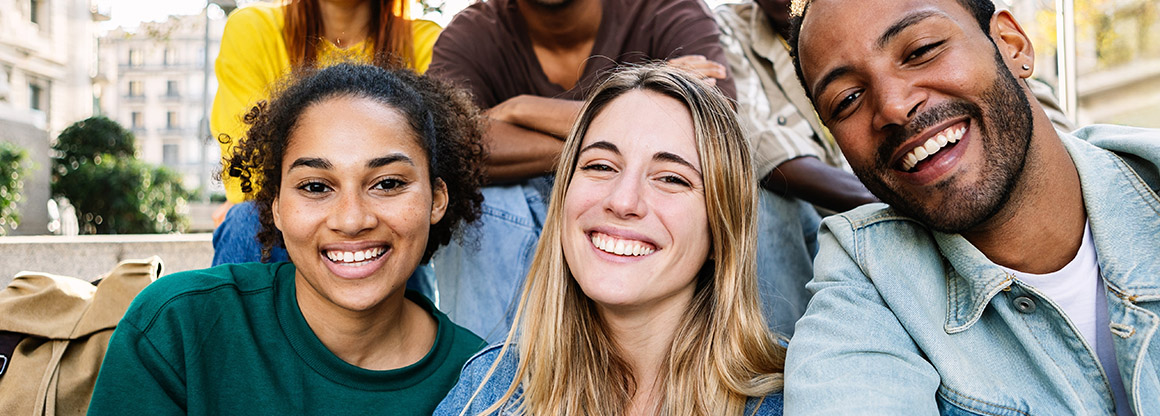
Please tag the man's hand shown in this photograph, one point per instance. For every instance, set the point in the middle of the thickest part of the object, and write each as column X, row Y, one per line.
column 709, row 71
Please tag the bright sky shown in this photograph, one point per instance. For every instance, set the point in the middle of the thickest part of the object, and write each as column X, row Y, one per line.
column 128, row 13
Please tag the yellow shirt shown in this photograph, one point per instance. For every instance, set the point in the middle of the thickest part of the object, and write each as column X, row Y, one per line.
column 253, row 58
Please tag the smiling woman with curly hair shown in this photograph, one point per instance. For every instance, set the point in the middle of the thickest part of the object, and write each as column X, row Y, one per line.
column 364, row 173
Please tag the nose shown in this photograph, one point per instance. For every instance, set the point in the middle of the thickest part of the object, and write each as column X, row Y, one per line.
column 351, row 214
column 898, row 101
column 625, row 199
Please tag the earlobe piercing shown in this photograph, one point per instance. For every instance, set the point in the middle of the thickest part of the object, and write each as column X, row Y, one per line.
column 1026, row 67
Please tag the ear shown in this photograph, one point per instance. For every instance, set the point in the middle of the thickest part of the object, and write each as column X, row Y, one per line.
column 1014, row 45
column 276, row 214
column 438, row 200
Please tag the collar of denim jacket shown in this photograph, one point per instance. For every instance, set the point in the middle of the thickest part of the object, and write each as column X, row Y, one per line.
column 1123, row 213
column 1123, row 207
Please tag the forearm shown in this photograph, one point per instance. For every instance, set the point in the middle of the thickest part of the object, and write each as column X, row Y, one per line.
column 516, row 153
column 550, row 116
column 812, row 180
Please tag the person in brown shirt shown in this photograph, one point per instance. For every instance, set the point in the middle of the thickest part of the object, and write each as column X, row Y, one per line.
column 529, row 63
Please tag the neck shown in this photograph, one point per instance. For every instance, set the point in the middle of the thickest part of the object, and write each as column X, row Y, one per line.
column 394, row 334
column 572, row 25
column 644, row 337
column 1040, row 229
column 345, row 22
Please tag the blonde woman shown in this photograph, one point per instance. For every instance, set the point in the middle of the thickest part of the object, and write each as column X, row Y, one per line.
column 642, row 295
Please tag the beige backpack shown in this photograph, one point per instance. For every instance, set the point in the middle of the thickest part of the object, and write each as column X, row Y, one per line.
column 53, row 334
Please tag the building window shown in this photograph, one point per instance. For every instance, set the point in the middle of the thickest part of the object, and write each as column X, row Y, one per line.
column 137, row 120
column 34, row 11
column 136, row 58
column 171, row 121
column 170, row 154
column 171, row 89
column 35, row 96
column 170, row 56
column 136, row 89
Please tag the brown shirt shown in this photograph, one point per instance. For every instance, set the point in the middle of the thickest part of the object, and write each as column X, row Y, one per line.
column 486, row 48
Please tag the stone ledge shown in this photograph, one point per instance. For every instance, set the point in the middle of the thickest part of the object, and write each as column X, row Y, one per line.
column 90, row 256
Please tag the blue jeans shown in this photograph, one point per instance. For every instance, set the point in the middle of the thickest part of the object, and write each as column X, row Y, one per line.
column 236, row 241
column 787, row 241
column 480, row 279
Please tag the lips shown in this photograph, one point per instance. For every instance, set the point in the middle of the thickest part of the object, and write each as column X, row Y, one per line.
column 621, row 246
column 355, row 263
column 354, row 258
column 932, row 146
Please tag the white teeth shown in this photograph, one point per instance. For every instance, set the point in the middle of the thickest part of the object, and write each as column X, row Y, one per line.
column 932, row 146
column 620, row 247
column 354, row 256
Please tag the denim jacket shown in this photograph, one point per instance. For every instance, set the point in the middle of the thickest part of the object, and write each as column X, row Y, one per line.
column 477, row 367
column 909, row 321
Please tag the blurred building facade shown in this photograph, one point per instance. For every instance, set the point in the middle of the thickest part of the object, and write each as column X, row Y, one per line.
column 47, row 56
column 152, row 82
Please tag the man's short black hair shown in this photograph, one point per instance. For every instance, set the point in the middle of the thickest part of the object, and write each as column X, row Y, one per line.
column 982, row 10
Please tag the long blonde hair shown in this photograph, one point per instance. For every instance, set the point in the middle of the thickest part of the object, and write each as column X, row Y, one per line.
column 722, row 354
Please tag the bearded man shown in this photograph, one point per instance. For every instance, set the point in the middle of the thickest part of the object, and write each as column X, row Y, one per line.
column 1015, row 268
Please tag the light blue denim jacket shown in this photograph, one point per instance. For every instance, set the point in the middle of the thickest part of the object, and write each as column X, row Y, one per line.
column 906, row 321
column 476, row 369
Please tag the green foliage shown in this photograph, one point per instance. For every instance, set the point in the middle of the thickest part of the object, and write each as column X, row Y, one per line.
column 113, row 192
column 93, row 136
column 12, row 172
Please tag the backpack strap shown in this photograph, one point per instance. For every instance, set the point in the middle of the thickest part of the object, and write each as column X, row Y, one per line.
column 8, row 342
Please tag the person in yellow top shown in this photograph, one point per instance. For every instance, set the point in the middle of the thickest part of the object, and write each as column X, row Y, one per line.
column 261, row 44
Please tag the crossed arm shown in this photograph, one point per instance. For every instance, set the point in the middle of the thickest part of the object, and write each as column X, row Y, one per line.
column 525, row 133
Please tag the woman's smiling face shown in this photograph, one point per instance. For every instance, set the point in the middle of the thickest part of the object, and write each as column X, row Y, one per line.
column 355, row 203
column 636, row 229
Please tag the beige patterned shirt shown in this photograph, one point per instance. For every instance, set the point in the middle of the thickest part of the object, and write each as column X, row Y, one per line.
column 772, row 106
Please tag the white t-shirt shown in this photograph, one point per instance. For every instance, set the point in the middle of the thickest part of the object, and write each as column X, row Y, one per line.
column 1078, row 289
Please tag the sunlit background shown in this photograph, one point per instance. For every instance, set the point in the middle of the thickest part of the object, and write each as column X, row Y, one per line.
column 148, row 66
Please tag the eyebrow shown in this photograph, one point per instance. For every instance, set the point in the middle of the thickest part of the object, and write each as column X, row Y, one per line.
column 601, row 145
column 889, row 34
column 673, row 157
column 310, row 162
column 378, row 162
column 659, row 156
column 903, row 23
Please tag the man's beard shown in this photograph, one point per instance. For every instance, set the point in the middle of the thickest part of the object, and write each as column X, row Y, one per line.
column 1004, row 130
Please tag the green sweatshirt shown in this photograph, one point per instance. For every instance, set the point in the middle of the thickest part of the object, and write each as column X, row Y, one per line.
column 231, row 340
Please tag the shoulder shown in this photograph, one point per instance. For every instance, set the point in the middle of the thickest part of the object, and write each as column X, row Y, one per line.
column 480, row 17
column 734, row 17
column 193, row 292
column 770, row 405
column 479, row 385
column 425, row 31
column 256, row 17
column 479, row 364
column 1136, row 141
column 866, row 217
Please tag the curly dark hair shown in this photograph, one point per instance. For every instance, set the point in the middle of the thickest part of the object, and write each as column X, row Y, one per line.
column 444, row 121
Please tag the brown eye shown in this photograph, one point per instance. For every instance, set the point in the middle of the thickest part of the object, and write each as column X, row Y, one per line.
column 314, row 187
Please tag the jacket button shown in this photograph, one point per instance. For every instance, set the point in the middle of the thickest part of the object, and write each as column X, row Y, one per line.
column 1025, row 304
